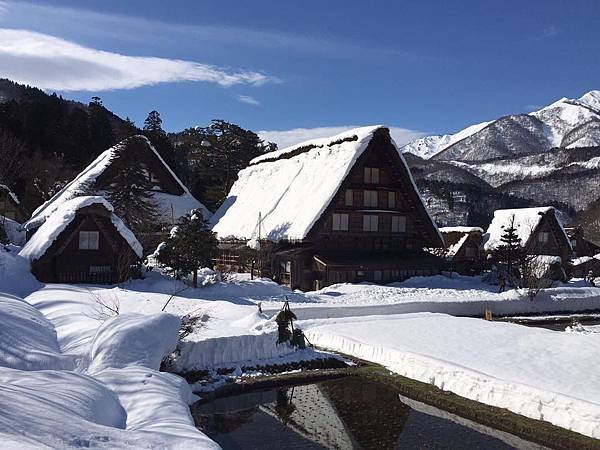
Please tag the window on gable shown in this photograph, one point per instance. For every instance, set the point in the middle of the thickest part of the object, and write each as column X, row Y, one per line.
column 340, row 222
column 89, row 240
column 371, row 199
column 349, row 197
column 371, row 175
column 370, row 222
column 543, row 237
column 391, row 199
column 573, row 243
column 398, row 224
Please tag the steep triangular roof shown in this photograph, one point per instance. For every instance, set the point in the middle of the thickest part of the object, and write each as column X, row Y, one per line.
column 64, row 214
column 292, row 187
column 178, row 204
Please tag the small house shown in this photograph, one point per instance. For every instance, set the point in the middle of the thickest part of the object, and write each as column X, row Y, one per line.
column 83, row 241
column 332, row 210
column 10, row 206
column 463, row 249
column 582, row 266
column 539, row 230
column 581, row 246
column 171, row 196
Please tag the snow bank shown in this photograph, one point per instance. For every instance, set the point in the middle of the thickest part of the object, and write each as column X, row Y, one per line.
column 15, row 276
column 538, row 373
column 230, row 351
column 458, row 295
column 56, row 409
column 134, row 339
column 62, row 216
column 27, row 338
column 61, row 409
column 157, row 402
column 74, row 313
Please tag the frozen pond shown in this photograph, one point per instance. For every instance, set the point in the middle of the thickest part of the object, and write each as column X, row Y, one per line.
column 347, row 413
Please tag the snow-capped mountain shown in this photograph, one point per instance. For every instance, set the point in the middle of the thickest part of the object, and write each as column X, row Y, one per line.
column 569, row 123
column 547, row 157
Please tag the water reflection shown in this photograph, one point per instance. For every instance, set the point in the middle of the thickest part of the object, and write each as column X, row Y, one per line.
column 348, row 413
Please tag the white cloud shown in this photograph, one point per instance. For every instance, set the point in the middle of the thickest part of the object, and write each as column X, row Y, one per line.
column 49, row 62
column 248, row 99
column 285, row 138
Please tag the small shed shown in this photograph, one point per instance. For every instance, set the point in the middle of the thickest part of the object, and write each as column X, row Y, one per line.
column 10, row 206
column 580, row 244
column 463, row 248
column 83, row 241
column 582, row 266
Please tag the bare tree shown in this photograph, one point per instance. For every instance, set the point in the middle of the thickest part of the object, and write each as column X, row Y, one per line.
column 104, row 308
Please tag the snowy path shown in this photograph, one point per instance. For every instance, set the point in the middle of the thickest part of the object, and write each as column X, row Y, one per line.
column 538, row 373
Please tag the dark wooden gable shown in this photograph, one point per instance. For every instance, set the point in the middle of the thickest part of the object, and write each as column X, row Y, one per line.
column 557, row 244
column 393, row 177
column 158, row 172
column 63, row 261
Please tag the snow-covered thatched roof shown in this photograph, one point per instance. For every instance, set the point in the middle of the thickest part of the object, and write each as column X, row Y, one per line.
column 291, row 188
column 167, row 203
column 62, row 216
column 526, row 222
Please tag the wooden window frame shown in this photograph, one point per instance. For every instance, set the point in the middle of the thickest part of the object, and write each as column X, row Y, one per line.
column 371, row 175
column 340, row 222
column 370, row 199
column 85, row 243
column 400, row 224
column 368, row 221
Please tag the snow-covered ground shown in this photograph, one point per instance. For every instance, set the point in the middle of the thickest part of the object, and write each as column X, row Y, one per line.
column 62, row 341
column 538, row 373
column 458, row 295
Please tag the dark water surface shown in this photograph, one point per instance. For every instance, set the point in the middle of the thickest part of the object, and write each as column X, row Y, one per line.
column 347, row 413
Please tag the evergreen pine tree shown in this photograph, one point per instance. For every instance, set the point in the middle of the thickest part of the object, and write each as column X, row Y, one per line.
column 190, row 246
column 154, row 132
column 101, row 133
column 510, row 252
column 130, row 189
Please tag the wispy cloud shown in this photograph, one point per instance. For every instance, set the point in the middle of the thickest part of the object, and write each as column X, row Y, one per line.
column 549, row 32
column 285, row 138
column 49, row 62
column 92, row 24
column 248, row 99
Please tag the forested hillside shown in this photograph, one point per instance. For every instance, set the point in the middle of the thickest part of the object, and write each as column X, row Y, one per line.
column 45, row 140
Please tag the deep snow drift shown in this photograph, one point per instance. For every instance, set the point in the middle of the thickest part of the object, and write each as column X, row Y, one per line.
column 538, row 373
column 103, row 390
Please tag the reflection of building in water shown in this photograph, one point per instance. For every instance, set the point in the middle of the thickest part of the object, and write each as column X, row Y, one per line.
column 353, row 413
column 308, row 412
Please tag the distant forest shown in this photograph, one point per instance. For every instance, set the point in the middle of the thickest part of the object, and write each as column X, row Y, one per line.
column 45, row 140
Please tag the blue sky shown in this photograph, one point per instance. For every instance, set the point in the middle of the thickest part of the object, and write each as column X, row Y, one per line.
column 318, row 66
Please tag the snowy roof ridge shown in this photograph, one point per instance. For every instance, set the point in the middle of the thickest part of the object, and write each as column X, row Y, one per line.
column 294, row 150
column 88, row 176
column 460, row 229
column 526, row 222
column 64, row 214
